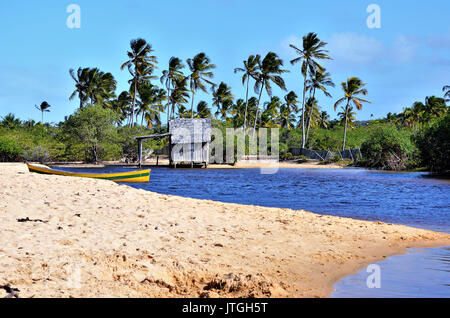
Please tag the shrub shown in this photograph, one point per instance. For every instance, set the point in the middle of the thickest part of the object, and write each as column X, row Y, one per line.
column 434, row 146
column 388, row 148
column 93, row 127
column 10, row 151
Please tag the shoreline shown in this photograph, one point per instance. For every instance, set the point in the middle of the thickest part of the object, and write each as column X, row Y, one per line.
column 126, row 242
column 240, row 165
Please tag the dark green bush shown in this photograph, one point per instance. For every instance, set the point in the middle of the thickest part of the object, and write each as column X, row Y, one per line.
column 388, row 148
column 434, row 146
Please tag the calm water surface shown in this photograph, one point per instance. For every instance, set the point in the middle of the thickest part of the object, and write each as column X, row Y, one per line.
column 403, row 198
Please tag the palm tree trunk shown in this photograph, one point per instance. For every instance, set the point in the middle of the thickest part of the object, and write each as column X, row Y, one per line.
column 42, row 121
column 246, row 106
column 168, row 106
column 303, row 112
column 192, row 105
column 310, row 116
column 257, row 109
column 134, row 103
column 345, row 126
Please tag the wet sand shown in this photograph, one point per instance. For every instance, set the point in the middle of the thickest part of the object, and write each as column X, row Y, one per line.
column 72, row 237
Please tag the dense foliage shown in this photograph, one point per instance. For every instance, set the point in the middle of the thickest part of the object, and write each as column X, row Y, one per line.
column 389, row 148
column 434, row 146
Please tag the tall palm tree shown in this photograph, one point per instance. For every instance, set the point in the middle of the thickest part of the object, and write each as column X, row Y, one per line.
column 203, row 110
column 313, row 111
column 250, row 70
column 222, row 99
column 200, row 67
column 347, row 116
column 169, row 77
column 323, row 120
column 151, row 102
column 434, row 107
column 288, row 109
column 319, row 80
column 446, row 90
column 81, row 79
column 122, row 106
column 104, row 86
column 180, row 94
column 237, row 112
column 44, row 107
column 311, row 51
column 269, row 72
column 94, row 85
column 140, row 65
column 353, row 88
column 270, row 116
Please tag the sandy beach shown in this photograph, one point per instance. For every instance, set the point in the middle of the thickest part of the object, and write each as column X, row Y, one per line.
column 73, row 237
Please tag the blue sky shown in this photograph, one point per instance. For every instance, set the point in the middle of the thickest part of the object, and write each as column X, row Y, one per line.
column 405, row 60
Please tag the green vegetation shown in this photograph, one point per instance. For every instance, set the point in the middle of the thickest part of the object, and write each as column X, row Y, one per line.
column 389, row 148
column 434, row 146
column 106, row 122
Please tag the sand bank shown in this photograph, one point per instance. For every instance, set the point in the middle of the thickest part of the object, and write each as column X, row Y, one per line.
column 70, row 237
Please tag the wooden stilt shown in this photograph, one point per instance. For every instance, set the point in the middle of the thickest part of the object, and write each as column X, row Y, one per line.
column 140, row 153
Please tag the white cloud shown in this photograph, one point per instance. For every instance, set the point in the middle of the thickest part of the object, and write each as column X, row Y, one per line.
column 404, row 48
column 355, row 48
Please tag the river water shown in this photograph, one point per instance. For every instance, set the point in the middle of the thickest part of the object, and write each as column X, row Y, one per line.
column 409, row 198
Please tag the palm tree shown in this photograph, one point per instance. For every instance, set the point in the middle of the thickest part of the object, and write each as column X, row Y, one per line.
column 347, row 116
column 323, row 120
column 81, row 85
column 237, row 112
column 44, row 107
column 311, row 51
column 10, row 121
column 288, row 109
column 222, row 99
column 268, row 72
column 150, row 105
column 446, row 90
column 180, row 94
column 203, row 110
column 250, row 70
column 200, row 67
column 434, row 107
column 140, row 65
column 168, row 78
column 314, row 113
column 319, row 80
column 271, row 114
column 122, row 106
column 352, row 89
column 94, row 85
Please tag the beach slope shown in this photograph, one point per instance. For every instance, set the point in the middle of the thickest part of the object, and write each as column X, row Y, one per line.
column 72, row 237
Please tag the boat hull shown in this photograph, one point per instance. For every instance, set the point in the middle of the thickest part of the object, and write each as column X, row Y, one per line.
column 133, row 176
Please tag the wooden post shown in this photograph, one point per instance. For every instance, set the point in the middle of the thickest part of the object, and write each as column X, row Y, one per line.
column 157, row 160
column 140, row 153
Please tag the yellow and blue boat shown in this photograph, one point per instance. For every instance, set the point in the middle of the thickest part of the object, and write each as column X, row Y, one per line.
column 131, row 176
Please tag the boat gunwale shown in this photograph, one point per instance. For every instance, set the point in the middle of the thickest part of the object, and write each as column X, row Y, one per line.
column 130, row 174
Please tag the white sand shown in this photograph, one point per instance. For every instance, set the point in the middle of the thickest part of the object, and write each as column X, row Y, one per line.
column 94, row 238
